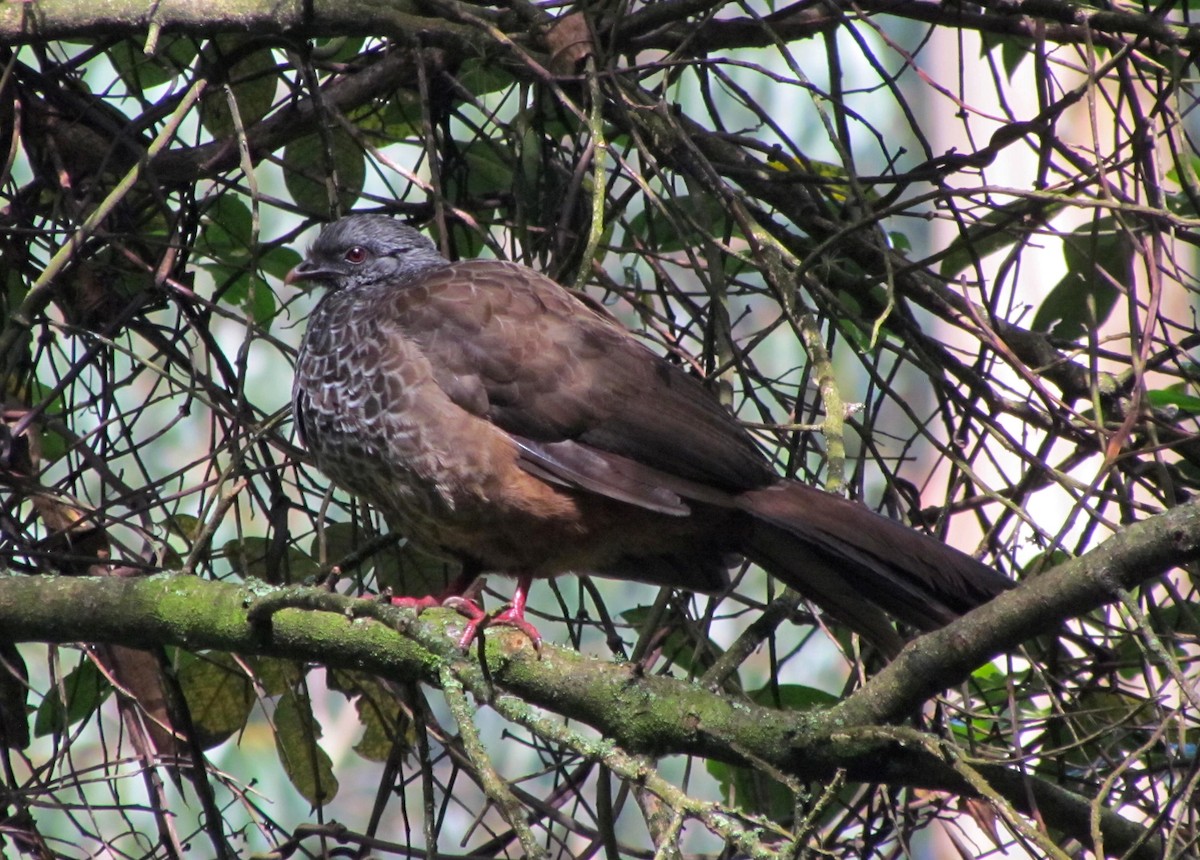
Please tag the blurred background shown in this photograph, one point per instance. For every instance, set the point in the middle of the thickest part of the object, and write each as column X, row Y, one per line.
column 938, row 257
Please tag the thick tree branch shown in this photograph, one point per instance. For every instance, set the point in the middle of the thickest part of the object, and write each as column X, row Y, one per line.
column 662, row 26
column 644, row 714
column 43, row 20
column 1140, row 552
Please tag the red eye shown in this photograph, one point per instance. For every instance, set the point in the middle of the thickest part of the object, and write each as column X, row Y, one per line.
column 356, row 255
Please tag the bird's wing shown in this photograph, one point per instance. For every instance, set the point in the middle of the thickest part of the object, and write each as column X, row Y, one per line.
column 572, row 386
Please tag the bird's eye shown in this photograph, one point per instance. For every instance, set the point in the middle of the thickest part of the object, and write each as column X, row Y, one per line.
column 356, row 255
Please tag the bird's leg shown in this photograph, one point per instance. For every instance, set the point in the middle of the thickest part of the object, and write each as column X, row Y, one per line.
column 454, row 597
column 512, row 615
column 453, row 594
column 457, row 597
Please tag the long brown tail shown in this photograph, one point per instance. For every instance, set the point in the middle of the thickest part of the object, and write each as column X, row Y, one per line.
column 853, row 562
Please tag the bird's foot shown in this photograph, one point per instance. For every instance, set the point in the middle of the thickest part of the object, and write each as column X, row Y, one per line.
column 476, row 617
column 461, row 588
column 458, row 597
column 512, row 615
column 420, row 604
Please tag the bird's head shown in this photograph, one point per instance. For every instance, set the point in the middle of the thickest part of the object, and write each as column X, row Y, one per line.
column 361, row 250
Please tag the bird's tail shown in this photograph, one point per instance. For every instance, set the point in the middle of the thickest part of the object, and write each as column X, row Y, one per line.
column 853, row 562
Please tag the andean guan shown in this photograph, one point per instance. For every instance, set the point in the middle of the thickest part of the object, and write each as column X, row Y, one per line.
column 497, row 419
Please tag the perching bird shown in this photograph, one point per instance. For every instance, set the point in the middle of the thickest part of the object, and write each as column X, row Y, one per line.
column 499, row 420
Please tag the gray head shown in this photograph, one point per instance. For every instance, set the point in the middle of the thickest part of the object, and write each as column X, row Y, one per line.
column 360, row 250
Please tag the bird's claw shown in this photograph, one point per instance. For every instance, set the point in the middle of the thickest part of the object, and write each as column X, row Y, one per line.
column 458, row 599
column 510, row 616
column 478, row 619
column 420, row 604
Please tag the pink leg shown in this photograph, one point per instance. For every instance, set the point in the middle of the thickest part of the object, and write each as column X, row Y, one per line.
column 454, row 591
column 420, row 603
column 514, row 614
column 455, row 598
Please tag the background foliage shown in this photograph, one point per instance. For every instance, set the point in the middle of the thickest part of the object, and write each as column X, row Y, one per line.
column 939, row 255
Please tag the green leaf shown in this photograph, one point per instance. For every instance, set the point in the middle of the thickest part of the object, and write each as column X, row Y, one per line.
column 466, row 240
column 308, row 171
column 233, row 284
column 749, row 788
column 185, row 526
column 752, row 791
column 252, row 79
column 1189, row 473
column 226, row 249
column 280, row 260
column 276, row 676
column 998, row 229
column 249, row 557
column 52, row 445
column 171, row 559
column 410, row 572
column 1099, row 256
column 480, row 77
column 1176, row 396
column 84, row 688
column 792, row 697
column 668, row 234
column 340, row 540
column 261, row 302
column 1043, row 562
column 394, row 121
column 228, row 226
column 680, row 644
column 900, row 241
column 1013, row 50
column 219, row 695
column 992, row 688
column 140, row 72
column 226, row 231
column 305, row 763
column 337, row 49
column 484, row 170
column 379, row 711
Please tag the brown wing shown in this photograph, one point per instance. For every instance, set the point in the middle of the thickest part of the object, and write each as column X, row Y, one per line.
column 513, row 346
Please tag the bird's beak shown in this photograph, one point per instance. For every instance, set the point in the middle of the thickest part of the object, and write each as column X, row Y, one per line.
column 305, row 271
